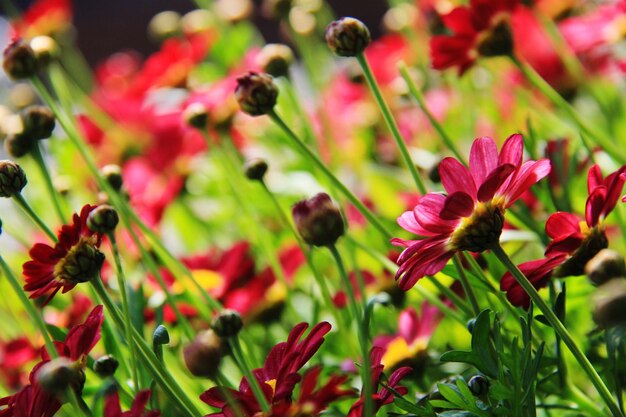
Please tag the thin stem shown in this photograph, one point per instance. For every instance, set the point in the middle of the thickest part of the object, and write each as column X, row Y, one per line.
column 121, row 283
column 158, row 371
column 240, row 359
column 34, row 314
column 469, row 291
column 419, row 97
column 361, row 332
column 304, row 150
column 448, row 293
column 551, row 94
column 560, row 330
column 19, row 199
column 54, row 194
column 391, row 123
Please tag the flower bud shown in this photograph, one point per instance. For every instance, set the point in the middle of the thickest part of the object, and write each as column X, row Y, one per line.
column 275, row 59
column 479, row 385
column 164, row 25
column 105, row 366
column 12, row 178
column 19, row 60
column 45, row 49
column 227, row 323
column 318, row 220
column 38, row 122
column 59, row 374
column 103, row 219
column 113, row 175
column 203, row 356
column 347, row 36
column 606, row 265
column 255, row 169
column 18, row 144
column 196, row 115
column 610, row 303
column 256, row 93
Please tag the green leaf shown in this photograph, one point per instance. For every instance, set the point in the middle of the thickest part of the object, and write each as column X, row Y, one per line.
column 449, row 393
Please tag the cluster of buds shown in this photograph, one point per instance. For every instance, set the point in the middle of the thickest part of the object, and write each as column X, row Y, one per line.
column 37, row 123
column 21, row 60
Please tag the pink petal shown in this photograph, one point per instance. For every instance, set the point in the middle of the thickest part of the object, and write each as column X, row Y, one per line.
column 564, row 244
column 530, row 172
column 455, row 177
column 594, row 205
column 594, row 178
column 427, row 214
column 493, row 182
column 408, row 222
column 457, row 205
column 483, row 158
column 562, row 223
column 512, row 150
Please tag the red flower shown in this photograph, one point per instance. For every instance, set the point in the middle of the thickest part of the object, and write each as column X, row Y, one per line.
column 574, row 242
column 74, row 259
column 471, row 216
column 32, row 400
column 278, row 377
column 138, row 409
column 14, row 354
column 482, row 29
column 43, row 17
column 384, row 396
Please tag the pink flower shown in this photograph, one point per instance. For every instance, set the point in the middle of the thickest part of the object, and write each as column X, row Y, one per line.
column 470, row 217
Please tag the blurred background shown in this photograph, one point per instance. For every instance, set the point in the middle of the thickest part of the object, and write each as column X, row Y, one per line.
column 105, row 27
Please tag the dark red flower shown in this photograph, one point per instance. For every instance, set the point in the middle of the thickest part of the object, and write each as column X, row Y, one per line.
column 482, row 29
column 138, row 409
column 74, row 259
column 471, row 216
column 278, row 377
column 384, row 396
column 574, row 241
column 14, row 354
column 31, row 401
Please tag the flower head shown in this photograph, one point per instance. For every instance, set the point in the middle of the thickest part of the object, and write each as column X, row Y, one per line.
column 574, row 241
column 74, row 259
column 112, row 406
column 471, row 216
column 482, row 29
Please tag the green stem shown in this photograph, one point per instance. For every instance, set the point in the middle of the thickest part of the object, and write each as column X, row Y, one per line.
column 54, row 194
column 546, row 89
column 158, row 371
column 19, row 199
column 304, row 150
column 391, row 123
column 121, row 283
column 419, row 97
column 450, row 295
column 362, row 333
column 469, row 291
column 559, row 329
column 34, row 314
column 240, row 359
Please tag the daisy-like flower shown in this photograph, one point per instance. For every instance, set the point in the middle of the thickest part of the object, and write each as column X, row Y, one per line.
column 470, row 217
column 482, row 29
column 279, row 377
column 74, row 259
column 574, row 241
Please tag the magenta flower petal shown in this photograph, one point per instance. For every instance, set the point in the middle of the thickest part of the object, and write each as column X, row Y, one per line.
column 564, row 244
column 493, row 181
column 458, row 204
column 512, row 150
column 427, row 213
column 483, row 158
column 456, row 177
column 594, row 205
column 529, row 173
column 562, row 223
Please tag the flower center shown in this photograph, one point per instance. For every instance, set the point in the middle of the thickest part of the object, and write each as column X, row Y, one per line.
column 82, row 262
column 595, row 240
column 481, row 230
column 497, row 40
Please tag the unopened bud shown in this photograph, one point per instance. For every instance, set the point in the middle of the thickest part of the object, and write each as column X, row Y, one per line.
column 347, row 36
column 19, row 60
column 318, row 220
column 255, row 169
column 196, row 115
column 479, row 385
column 275, row 59
column 18, row 145
column 105, row 366
column 227, row 323
column 59, row 374
column 164, row 25
column 38, row 122
column 81, row 264
column 113, row 175
column 103, row 219
column 610, row 303
column 12, row 178
column 204, row 354
column 606, row 265
column 256, row 93
column 45, row 49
